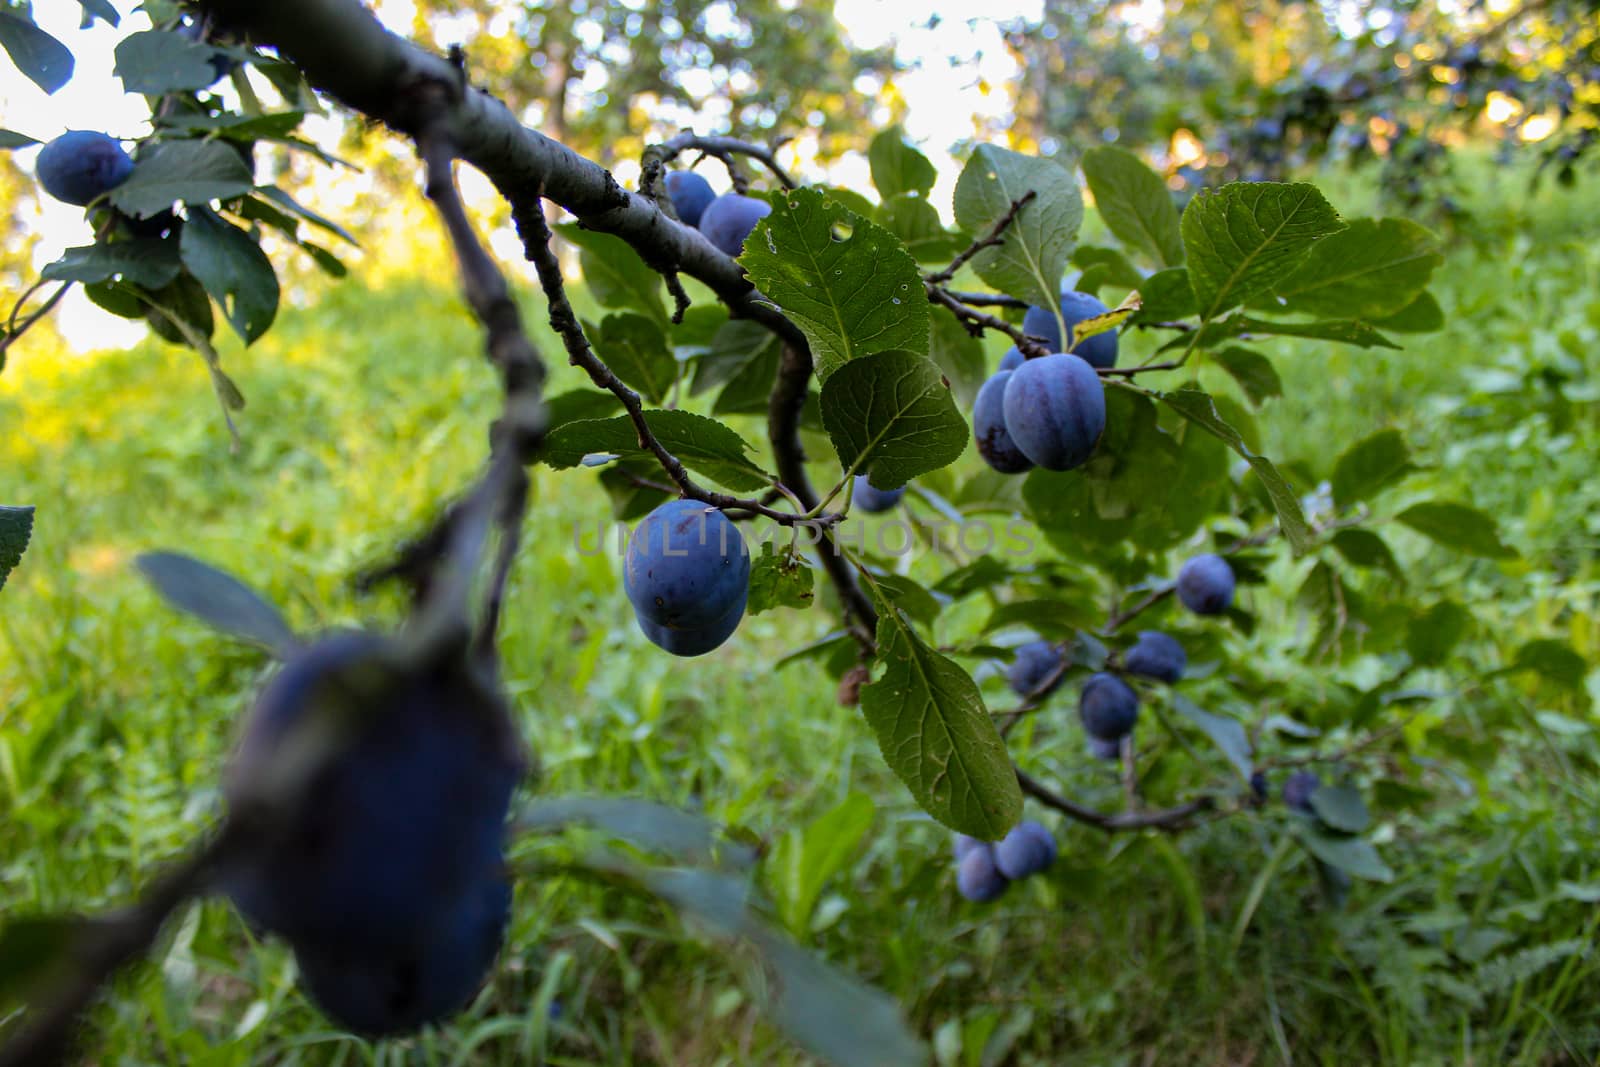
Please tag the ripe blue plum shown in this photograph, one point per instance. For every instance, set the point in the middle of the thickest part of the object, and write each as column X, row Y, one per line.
column 1012, row 359
column 1036, row 663
column 1055, row 411
column 1027, row 850
column 989, row 428
column 697, row 640
column 1297, row 790
column 81, row 166
column 1098, row 351
column 1107, row 707
column 873, row 500
column 1156, row 655
column 977, row 877
column 691, row 195
column 728, row 220
column 1205, row 584
column 1102, row 748
column 686, row 567
column 964, row 844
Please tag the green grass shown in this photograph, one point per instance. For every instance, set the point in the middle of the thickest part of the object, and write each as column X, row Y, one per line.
column 367, row 410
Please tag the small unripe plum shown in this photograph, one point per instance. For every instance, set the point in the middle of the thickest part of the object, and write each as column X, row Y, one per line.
column 690, row 193
column 695, row 640
column 977, row 877
column 1107, row 707
column 873, row 500
column 989, row 428
column 1012, row 359
column 1156, row 655
column 1026, row 850
column 728, row 220
column 1205, row 584
column 1297, row 790
column 1098, row 351
column 1036, row 663
column 686, row 567
column 1106, row 749
column 1055, row 411
column 81, row 166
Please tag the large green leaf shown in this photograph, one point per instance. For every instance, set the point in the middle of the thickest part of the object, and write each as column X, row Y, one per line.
column 1370, row 269
column 737, row 344
column 1353, row 855
column 615, row 274
column 191, row 171
column 234, row 270
column 16, row 529
column 1134, row 203
column 635, row 348
column 1245, row 237
column 1422, row 315
column 1227, row 734
column 150, row 262
column 44, row 60
column 1457, row 526
column 162, row 61
column 1370, row 465
column 961, row 356
column 1166, row 295
column 937, row 736
column 1039, row 241
column 891, row 416
column 917, row 224
column 217, row 598
column 843, row 279
column 897, row 167
column 703, row 445
column 1433, row 635
column 1366, row 549
column 10, row 139
column 1554, row 660
column 1253, row 371
column 807, row 856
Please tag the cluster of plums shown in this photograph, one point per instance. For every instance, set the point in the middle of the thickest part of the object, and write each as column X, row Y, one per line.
column 984, row 869
column 726, row 220
column 386, row 873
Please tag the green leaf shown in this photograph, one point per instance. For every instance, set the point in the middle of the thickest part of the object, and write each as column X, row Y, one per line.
column 1134, row 203
column 644, row 824
column 1050, row 617
column 1554, row 660
column 635, row 348
column 584, row 402
column 917, row 224
column 1340, row 808
column 10, row 139
column 1366, row 549
column 1432, row 635
column 120, row 298
column 982, row 573
column 1166, row 296
column 35, row 952
column 1196, row 406
column 218, row 599
column 194, row 172
column 100, row 9
column 1030, row 262
column 1340, row 331
column 806, row 857
column 1422, row 315
column 1116, row 270
column 274, row 126
column 701, row 444
column 629, row 499
column 1372, row 268
column 960, row 356
column 42, row 59
column 1253, row 371
column 1226, row 733
column 891, row 416
column 780, row 579
column 1246, row 237
column 16, row 529
column 1324, row 597
column 294, row 207
column 162, row 61
column 150, row 262
column 186, row 299
column 1369, row 466
column 1459, row 527
column 897, row 167
column 737, row 345
column 844, row 280
column 615, row 274
column 937, row 736
column 234, row 270
column 910, row 596
column 1353, row 855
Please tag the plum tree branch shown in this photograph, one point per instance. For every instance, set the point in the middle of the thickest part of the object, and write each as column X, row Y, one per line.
column 995, row 236
column 977, row 321
column 1168, row 820
column 722, row 149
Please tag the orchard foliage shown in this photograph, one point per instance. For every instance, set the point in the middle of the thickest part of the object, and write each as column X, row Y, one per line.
column 1134, row 482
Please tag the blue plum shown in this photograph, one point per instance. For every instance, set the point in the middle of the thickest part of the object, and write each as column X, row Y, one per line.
column 410, row 984
column 1012, row 359
column 1107, row 707
column 81, row 166
column 1098, row 351
column 686, row 567
column 406, row 810
column 1205, row 584
column 1027, row 850
column 873, row 500
column 1102, row 748
column 964, row 844
column 989, row 428
column 1297, row 790
column 977, row 877
column 1055, row 411
column 1036, row 663
column 1156, row 655
column 728, row 220
column 697, row 640
column 691, row 195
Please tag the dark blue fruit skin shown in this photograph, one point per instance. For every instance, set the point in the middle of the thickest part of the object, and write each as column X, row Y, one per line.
column 1205, row 584
column 1034, row 662
column 728, row 220
column 1027, row 850
column 964, row 844
column 1108, row 707
column 1297, row 790
column 989, row 428
column 1156, row 655
column 1055, row 411
column 691, row 195
column 396, row 826
column 1101, row 748
column 1098, row 351
column 694, row 641
column 977, row 878
column 400, row 991
column 80, row 166
column 873, row 500
column 686, row 567
column 1012, row 359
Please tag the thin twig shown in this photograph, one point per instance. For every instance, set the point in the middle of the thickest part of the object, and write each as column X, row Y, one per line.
column 997, row 300
column 977, row 321
column 995, row 236
column 14, row 331
column 1165, row 819
column 723, row 149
